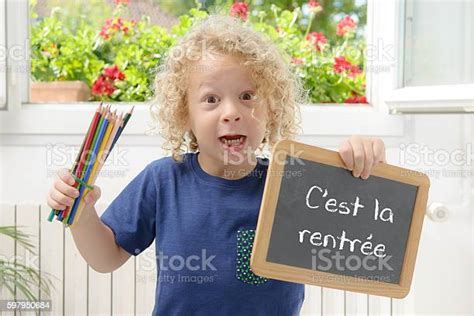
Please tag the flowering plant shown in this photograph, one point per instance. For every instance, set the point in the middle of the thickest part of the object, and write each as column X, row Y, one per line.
column 131, row 51
column 58, row 54
column 332, row 71
column 119, row 60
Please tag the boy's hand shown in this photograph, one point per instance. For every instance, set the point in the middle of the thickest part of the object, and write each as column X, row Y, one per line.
column 360, row 154
column 63, row 192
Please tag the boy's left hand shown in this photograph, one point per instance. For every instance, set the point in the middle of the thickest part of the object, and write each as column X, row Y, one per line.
column 360, row 154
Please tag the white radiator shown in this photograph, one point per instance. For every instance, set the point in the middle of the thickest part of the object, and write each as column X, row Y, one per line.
column 78, row 289
column 130, row 290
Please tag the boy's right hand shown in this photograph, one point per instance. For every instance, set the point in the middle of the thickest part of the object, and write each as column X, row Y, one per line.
column 63, row 192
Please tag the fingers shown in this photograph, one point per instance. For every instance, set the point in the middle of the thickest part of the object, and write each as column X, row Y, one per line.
column 361, row 154
column 369, row 159
column 60, row 199
column 65, row 176
column 66, row 189
column 379, row 151
column 53, row 204
column 92, row 196
column 345, row 151
column 358, row 155
column 62, row 193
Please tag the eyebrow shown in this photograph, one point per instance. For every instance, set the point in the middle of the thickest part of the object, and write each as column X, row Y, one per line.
column 205, row 83
column 211, row 85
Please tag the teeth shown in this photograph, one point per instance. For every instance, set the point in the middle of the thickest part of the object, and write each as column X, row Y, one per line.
column 232, row 141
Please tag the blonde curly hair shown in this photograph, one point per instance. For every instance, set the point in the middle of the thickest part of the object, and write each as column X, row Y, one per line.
column 275, row 82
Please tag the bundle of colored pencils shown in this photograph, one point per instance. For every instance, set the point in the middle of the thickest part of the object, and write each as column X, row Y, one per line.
column 104, row 131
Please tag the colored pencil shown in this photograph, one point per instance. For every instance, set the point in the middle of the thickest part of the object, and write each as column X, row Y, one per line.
column 92, row 126
column 102, row 135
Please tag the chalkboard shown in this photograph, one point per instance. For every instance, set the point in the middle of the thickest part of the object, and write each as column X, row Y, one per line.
column 320, row 225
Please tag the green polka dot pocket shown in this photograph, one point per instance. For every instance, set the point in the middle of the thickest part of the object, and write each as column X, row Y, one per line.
column 244, row 250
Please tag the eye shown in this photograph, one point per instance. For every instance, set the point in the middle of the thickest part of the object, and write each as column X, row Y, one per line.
column 247, row 96
column 211, row 99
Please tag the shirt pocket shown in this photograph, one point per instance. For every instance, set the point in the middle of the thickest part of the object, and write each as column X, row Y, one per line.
column 245, row 238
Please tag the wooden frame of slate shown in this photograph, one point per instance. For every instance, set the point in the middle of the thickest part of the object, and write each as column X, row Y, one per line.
column 294, row 229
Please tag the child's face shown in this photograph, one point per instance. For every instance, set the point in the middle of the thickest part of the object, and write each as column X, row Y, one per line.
column 220, row 100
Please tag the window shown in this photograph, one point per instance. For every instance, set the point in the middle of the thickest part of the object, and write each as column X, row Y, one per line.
column 437, row 71
column 109, row 50
column 439, row 44
column 3, row 56
column 70, row 118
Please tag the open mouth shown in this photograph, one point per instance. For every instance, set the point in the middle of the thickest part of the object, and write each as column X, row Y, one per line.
column 234, row 142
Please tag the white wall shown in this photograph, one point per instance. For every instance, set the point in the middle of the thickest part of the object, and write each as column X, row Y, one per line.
column 443, row 279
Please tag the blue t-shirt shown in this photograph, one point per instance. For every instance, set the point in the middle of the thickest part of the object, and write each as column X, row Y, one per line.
column 204, row 227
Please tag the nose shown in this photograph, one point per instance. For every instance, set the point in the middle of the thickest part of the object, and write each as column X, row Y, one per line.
column 231, row 112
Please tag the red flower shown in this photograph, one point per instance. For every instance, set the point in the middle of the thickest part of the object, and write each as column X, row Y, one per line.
column 345, row 25
column 125, row 2
column 113, row 73
column 241, row 9
column 118, row 24
column 297, row 61
column 315, row 6
column 341, row 65
column 105, row 83
column 317, row 39
column 356, row 99
column 103, row 33
column 112, row 26
column 354, row 71
column 103, row 86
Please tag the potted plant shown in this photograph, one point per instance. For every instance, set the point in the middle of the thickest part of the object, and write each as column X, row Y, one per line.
column 59, row 91
column 117, row 59
column 131, row 51
column 63, row 64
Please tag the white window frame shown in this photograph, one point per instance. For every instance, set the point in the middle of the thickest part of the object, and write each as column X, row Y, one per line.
column 326, row 120
column 3, row 53
column 457, row 98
